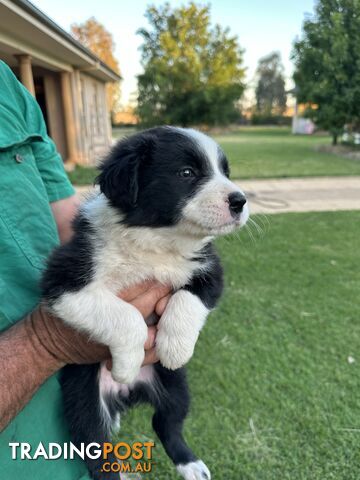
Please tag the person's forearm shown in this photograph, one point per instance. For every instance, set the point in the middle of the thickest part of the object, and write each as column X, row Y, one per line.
column 64, row 212
column 40, row 344
column 25, row 365
column 33, row 350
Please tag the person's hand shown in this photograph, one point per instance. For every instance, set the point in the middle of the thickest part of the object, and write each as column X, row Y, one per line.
column 38, row 346
column 149, row 298
column 65, row 345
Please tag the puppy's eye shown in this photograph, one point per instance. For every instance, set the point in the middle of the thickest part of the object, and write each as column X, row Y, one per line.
column 186, row 173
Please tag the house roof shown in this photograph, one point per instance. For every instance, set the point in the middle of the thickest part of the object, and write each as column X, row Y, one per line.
column 26, row 29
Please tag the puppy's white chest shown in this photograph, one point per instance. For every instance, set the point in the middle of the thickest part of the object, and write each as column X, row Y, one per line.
column 128, row 255
column 175, row 271
column 121, row 270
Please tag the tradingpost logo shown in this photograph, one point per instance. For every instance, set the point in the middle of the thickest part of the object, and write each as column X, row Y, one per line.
column 130, row 458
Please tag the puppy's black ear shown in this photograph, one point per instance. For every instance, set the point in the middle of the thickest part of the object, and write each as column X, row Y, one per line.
column 119, row 173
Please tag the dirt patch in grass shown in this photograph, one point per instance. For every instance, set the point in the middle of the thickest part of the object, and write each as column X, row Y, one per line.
column 341, row 150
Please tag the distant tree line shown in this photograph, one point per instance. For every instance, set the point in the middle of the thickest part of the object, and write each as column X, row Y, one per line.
column 193, row 72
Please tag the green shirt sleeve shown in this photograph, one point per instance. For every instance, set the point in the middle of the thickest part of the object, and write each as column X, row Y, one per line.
column 31, row 174
column 22, row 122
column 51, row 168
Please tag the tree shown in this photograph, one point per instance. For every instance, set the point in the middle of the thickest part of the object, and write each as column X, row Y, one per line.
column 270, row 88
column 94, row 36
column 327, row 64
column 193, row 73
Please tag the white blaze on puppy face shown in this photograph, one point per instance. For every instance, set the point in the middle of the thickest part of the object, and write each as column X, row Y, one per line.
column 209, row 208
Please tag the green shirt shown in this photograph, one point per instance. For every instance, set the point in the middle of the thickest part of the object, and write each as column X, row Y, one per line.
column 31, row 176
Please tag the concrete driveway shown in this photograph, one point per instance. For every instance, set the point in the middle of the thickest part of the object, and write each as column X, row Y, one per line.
column 316, row 194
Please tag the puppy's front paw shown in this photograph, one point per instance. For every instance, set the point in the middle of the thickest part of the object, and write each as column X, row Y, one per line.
column 179, row 328
column 126, row 365
column 173, row 350
column 194, row 471
column 123, row 376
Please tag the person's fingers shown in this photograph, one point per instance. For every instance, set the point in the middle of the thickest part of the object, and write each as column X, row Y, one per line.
column 150, row 341
column 146, row 302
column 128, row 294
column 150, row 357
column 161, row 305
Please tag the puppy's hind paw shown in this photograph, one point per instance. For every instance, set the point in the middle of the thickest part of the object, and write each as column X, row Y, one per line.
column 194, row 471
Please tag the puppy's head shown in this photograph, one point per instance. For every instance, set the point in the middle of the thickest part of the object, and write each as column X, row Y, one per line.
column 169, row 176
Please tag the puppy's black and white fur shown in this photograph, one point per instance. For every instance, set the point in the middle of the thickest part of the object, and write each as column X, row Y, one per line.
column 164, row 195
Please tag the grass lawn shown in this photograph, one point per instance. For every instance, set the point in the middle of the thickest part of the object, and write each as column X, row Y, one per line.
column 260, row 152
column 274, row 395
column 83, row 175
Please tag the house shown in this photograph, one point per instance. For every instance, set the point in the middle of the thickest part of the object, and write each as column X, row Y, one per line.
column 300, row 124
column 67, row 80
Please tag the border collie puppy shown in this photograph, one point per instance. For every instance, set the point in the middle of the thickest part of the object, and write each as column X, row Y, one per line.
column 164, row 195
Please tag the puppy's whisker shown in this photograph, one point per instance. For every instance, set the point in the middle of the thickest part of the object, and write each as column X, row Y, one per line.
column 257, row 227
column 263, row 219
column 237, row 235
column 248, row 229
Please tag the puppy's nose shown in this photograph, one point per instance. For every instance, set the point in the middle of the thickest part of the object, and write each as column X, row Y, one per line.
column 236, row 202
